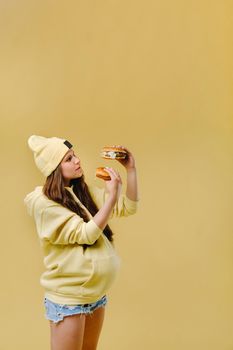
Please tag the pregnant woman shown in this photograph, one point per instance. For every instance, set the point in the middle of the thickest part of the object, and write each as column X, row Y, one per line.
column 71, row 220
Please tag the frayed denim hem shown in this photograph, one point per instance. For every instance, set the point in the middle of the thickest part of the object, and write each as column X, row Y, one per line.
column 56, row 312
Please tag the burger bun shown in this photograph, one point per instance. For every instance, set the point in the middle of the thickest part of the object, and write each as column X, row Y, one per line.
column 102, row 174
column 110, row 152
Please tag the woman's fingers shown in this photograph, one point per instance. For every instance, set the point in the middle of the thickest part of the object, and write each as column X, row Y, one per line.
column 113, row 173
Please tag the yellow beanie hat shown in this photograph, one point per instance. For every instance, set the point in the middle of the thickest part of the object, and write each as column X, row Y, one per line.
column 48, row 152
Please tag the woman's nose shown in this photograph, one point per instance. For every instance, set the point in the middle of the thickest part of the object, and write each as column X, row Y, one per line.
column 76, row 160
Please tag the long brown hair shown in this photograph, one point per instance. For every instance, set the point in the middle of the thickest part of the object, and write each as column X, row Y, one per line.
column 54, row 189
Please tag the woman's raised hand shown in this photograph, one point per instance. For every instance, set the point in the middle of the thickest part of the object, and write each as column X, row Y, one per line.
column 114, row 185
column 113, row 188
column 129, row 161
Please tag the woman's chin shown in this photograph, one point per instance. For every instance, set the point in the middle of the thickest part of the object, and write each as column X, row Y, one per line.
column 80, row 174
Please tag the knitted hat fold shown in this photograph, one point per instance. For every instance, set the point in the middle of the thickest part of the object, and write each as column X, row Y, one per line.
column 48, row 152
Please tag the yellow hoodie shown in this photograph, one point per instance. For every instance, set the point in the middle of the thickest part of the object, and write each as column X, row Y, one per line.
column 73, row 275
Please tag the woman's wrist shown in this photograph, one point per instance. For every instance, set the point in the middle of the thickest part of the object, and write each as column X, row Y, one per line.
column 112, row 197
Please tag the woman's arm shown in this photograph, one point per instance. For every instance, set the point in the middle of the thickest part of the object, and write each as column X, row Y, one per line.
column 60, row 225
column 126, row 204
column 130, row 166
column 102, row 216
column 132, row 187
column 113, row 187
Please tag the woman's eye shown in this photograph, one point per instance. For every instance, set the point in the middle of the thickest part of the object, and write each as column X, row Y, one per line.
column 69, row 159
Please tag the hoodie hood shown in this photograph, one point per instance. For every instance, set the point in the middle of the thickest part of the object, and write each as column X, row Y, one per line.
column 32, row 198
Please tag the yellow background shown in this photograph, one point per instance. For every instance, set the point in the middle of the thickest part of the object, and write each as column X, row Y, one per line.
column 155, row 76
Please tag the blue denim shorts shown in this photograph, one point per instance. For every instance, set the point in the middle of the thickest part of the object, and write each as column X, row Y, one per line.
column 56, row 312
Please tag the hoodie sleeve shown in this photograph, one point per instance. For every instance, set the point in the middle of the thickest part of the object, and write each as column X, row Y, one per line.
column 123, row 207
column 59, row 225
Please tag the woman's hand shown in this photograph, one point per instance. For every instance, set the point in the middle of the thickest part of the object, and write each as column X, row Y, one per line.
column 114, row 185
column 129, row 161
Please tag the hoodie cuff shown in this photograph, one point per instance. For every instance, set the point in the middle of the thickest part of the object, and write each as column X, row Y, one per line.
column 92, row 231
column 130, row 204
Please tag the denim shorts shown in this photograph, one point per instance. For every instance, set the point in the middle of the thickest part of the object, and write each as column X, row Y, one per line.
column 56, row 312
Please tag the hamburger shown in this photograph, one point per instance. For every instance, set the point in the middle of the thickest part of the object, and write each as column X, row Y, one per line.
column 102, row 174
column 113, row 153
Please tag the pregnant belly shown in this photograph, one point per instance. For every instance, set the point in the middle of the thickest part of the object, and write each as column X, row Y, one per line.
column 103, row 275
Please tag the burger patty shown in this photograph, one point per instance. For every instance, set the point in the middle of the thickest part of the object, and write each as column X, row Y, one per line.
column 113, row 154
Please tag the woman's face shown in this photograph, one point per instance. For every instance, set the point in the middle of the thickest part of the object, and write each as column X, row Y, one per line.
column 71, row 167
